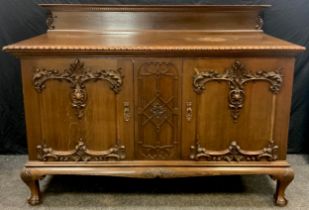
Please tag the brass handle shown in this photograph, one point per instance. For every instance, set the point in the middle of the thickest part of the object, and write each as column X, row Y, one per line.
column 126, row 111
column 189, row 111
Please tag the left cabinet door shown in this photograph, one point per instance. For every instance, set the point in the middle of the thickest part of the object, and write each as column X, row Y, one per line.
column 78, row 109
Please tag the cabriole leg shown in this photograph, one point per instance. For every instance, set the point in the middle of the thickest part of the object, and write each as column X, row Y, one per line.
column 283, row 180
column 32, row 182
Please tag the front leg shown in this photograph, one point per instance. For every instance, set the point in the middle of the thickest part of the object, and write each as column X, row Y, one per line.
column 283, row 180
column 32, row 181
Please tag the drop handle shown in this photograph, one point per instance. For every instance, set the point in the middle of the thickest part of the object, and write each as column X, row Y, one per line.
column 126, row 111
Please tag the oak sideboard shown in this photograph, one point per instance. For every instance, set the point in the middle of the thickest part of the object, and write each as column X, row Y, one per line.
column 156, row 91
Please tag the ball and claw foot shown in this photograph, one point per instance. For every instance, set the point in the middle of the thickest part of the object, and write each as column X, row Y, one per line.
column 283, row 180
column 32, row 182
column 34, row 200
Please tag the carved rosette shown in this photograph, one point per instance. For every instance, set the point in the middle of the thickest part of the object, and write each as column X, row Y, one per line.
column 79, row 98
column 77, row 75
column 80, row 153
column 235, row 153
column 157, row 109
column 236, row 77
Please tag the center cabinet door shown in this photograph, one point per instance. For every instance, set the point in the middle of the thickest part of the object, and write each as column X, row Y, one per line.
column 83, row 108
column 157, row 84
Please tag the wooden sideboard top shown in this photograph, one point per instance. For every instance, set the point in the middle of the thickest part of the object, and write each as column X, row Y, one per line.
column 152, row 7
column 152, row 43
column 170, row 30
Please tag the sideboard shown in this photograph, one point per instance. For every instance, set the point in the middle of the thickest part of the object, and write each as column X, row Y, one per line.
column 156, row 91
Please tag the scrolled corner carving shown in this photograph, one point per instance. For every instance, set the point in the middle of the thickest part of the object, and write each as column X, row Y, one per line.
column 273, row 77
column 235, row 153
column 80, row 153
column 259, row 23
column 201, row 78
column 50, row 21
column 237, row 76
column 77, row 75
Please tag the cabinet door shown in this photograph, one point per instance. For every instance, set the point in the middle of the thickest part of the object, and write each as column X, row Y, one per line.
column 236, row 109
column 78, row 109
column 157, row 98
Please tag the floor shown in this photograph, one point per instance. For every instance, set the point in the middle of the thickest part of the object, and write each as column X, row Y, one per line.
column 80, row 192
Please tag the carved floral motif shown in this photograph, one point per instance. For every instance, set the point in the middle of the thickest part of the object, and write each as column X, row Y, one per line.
column 80, row 153
column 77, row 75
column 157, row 109
column 235, row 153
column 237, row 76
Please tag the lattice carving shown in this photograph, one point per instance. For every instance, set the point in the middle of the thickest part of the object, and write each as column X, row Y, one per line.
column 158, row 111
column 235, row 153
column 157, row 151
column 237, row 76
column 77, row 75
column 80, row 153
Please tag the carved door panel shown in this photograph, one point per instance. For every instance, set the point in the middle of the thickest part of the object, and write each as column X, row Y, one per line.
column 236, row 109
column 81, row 105
column 157, row 100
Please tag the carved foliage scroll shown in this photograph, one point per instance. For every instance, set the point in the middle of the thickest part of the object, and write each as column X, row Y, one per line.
column 50, row 21
column 259, row 23
column 80, row 153
column 236, row 77
column 158, row 112
column 77, row 75
column 235, row 153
